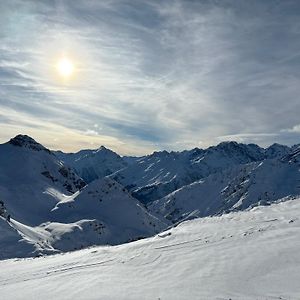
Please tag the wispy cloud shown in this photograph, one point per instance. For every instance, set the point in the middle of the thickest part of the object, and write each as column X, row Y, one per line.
column 150, row 74
column 294, row 129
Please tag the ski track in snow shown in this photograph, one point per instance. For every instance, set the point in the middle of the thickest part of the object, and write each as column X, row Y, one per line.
column 245, row 255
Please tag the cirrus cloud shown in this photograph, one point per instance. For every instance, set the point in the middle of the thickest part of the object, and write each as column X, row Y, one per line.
column 151, row 75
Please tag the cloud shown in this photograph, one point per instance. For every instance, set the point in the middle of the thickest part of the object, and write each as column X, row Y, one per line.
column 294, row 129
column 91, row 132
column 151, row 75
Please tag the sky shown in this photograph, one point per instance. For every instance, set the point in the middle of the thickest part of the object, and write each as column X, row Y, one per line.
column 150, row 75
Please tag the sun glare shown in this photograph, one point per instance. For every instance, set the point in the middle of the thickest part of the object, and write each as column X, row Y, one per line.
column 65, row 67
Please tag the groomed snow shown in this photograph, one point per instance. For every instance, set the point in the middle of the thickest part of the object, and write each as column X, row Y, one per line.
column 246, row 255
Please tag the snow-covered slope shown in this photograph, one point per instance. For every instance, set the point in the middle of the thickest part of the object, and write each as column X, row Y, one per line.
column 121, row 218
column 102, row 213
column 11, row 243
column 93, row 164
column 27, row 172
column 240, row 256
column 156, row 175
column 238, row 188
column 104, row 224
column 51, row 211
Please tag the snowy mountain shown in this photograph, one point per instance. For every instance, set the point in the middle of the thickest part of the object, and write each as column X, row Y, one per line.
column 277, row 150
column 27, row 172
column 238, row 188
column 243, row 255
column 52, row 211
column 93, row 164
column 102, row 213
column 120, row 217
column 157, row 175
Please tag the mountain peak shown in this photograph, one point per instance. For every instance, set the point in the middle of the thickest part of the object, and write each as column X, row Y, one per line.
column 27, row 142
column 103, row 149
column 106, row 152
column 228, row 143
column 160, row 153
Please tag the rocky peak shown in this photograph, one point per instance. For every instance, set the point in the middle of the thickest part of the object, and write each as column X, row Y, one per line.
column 251, row 152
column 277, row 150
column 27, row 142
column 163, row 153
column 105, row 150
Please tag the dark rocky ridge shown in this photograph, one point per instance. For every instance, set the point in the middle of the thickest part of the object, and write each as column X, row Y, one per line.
column 28, row 142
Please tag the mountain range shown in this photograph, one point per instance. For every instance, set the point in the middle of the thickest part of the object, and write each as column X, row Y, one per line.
column 52, row 209
column 66, row 201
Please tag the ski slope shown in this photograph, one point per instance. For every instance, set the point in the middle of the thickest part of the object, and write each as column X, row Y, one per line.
column 244, row 255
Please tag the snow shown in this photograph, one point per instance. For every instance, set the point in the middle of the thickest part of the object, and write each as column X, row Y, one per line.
column 11, row 243
column 122, row 217
column 251, row 252
column 237, row 188
column 154, row 176
column 102, row 213
column 93, row 164
column 244, row 255
column 52, row 212
column 27, row 172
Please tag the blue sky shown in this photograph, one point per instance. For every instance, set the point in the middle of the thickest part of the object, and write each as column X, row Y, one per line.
column 150, row 75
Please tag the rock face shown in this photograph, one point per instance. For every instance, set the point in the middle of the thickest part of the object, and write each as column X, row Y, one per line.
column 277, row 150
column 27, row 142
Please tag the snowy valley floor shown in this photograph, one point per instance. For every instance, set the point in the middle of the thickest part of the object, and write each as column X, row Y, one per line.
column 245, row 255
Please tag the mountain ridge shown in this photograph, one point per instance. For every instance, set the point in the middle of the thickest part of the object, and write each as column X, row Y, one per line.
column 127, row 198
column 37, row 188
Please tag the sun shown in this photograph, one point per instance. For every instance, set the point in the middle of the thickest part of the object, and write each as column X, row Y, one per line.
column 65, row 67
